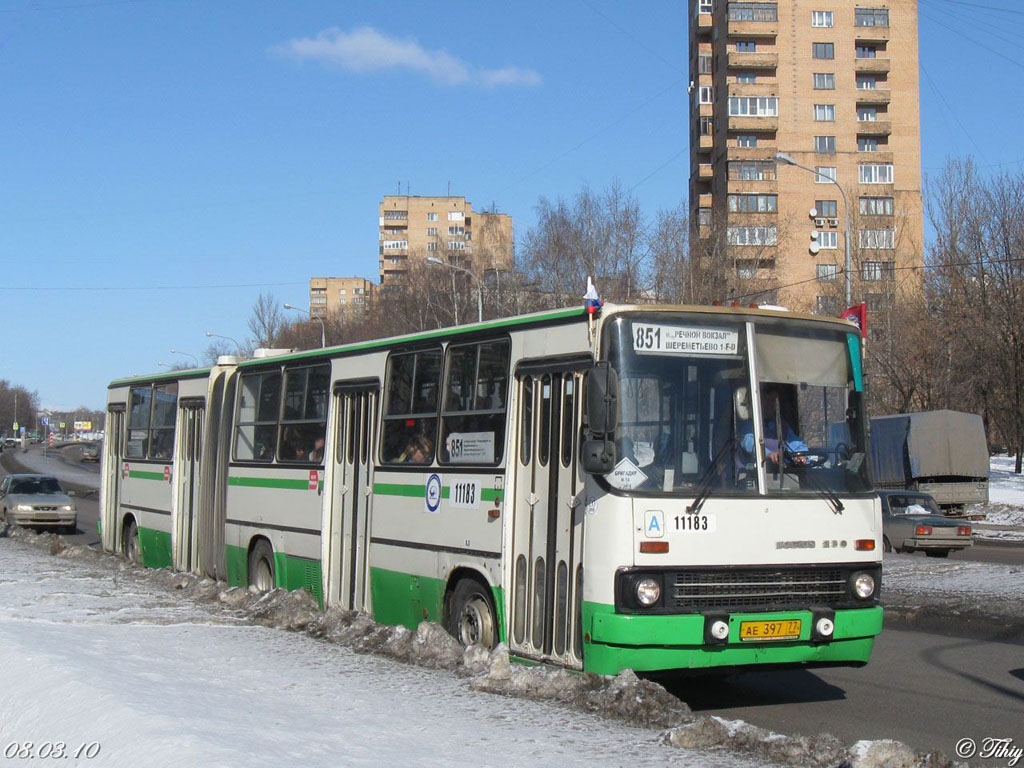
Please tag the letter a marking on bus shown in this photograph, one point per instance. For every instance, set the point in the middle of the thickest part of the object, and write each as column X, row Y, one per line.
column 654, row 524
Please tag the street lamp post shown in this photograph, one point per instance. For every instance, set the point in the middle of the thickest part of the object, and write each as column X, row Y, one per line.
column 238, row 347
column 847, row 267
column 186, row 354
column 323, row 328
column 479, row 285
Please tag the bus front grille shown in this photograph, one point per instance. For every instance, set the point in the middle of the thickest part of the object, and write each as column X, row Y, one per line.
column 759, row 588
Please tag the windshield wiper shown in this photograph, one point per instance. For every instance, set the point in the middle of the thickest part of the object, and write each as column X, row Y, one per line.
column 822, row 490
column 704, row 483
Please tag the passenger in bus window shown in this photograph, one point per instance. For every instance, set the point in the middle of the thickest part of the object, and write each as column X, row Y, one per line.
column 290, row 446
column 317, row 454
column 418, row 450
column 773, row 412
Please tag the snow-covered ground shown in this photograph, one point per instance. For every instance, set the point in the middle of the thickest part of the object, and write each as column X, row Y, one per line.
column 162, row 669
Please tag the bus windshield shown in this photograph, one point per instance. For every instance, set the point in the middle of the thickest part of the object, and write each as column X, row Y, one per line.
column 687, row 406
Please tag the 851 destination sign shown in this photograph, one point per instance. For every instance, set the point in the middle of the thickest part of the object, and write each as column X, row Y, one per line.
column 649, row 339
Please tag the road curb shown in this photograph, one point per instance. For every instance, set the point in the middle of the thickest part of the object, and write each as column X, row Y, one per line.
column 937, row 620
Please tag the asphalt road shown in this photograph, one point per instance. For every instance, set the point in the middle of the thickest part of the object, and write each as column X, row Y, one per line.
column 925, row 690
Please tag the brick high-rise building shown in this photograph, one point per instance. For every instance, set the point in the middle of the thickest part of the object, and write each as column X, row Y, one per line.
column 834, row 86
column 340, row 296
column 413, row 228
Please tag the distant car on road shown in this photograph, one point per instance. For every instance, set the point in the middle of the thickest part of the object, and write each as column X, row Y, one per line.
column 37, row 501
column 91, row 452
column 912, row 522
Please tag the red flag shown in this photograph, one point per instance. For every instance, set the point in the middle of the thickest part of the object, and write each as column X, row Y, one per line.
column 858, row 315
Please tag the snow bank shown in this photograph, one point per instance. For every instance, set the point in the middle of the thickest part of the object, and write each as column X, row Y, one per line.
column 625, row 699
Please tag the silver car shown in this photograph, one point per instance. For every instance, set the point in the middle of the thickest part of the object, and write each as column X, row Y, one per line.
column 37, row 501
column 912, row 522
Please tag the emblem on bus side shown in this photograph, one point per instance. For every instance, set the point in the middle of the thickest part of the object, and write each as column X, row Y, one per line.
column 432, row 493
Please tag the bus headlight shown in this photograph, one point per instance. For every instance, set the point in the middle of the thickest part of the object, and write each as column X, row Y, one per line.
column 864, row 585
column 648, row 591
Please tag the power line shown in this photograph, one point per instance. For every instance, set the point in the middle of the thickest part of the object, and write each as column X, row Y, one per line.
column 960, row 33
column 118, row 288
column 986, row 7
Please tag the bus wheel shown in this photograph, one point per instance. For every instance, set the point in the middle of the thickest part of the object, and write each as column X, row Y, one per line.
column 130, row 542
column 261, row 566
column 937, row 552
column 471, row 620
column 886, row 544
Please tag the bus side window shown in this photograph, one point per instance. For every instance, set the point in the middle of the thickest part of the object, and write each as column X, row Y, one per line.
column 139, row 414
column 411, row 399
column 476, row 391
column 259, row 397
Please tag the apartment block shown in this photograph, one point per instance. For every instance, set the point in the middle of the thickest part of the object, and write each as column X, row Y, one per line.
column 414, row 228
column 832, row 86
column 341, row 297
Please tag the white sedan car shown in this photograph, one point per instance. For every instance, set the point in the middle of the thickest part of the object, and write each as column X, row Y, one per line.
column 37, row 501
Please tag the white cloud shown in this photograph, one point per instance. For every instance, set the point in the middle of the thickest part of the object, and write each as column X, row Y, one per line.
column 364, row 49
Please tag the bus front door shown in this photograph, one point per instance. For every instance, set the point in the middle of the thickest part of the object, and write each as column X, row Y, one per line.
column 351, row 496
column 547, row 571
column 186, row 485
column 112, row 472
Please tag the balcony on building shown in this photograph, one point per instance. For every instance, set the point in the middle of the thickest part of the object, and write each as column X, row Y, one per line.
column 753, row 19
column 874, row 128
column 873, row 96
column 752, row 89
column 706, row 110
column 880, row 65
column 753, row 60
column 706, row 143
column 753, row 124
column 705, row 171
column 764, row 154
column 704, row 22
column 704, row 200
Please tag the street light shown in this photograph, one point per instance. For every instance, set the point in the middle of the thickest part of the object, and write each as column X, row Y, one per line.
column 165, row 365
column 211, row 335
column 784, row 158
column 479, row 285
column 323, row 328
column 187, row 354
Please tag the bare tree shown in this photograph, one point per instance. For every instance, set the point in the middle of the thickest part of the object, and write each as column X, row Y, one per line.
column 266, row 320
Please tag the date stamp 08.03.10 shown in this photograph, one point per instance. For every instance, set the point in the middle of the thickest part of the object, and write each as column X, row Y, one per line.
column 50, row 750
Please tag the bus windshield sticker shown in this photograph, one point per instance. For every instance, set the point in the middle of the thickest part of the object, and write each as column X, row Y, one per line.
column 470, row 447
column 684, row 340
column 464, row 493
column 654, row 524
column 626, row 476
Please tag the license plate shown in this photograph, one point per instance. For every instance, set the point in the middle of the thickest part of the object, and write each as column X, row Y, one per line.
column 788, row 629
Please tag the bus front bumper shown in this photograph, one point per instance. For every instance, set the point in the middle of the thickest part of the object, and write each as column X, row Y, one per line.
column 613, row 642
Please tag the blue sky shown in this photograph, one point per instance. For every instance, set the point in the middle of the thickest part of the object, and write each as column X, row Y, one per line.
column 162, row 162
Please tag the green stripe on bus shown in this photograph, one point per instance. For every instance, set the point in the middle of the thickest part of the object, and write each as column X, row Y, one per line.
column 138, row 474
column 287, row 484
column 412, row 490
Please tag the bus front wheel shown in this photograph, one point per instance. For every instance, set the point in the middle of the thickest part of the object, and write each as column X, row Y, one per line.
column 471, row 619
column 130, row 542
column 261, row 566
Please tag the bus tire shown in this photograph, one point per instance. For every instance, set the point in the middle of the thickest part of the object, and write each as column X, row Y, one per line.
column 261, row 566
column 471, row 618
column 130, row 542
column 937, row 552
column 886, row 544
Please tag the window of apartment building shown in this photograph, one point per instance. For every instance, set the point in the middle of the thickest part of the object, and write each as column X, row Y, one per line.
column 394, row 230
column 456, row 216
column 867, row 144
column 432, row 246
column 395, row 215
column 358, row 291
column 396, row 244
column 867, row 114
column 746, row 78
column 706, row 94
column 707, row 126
column 431, row 217
column 318, row 300
column 456, row 245
column 879, row 239
column 827, row 209
column 875, row 173
column 828, row 305
column 825, row 145
column 824, row 81
column 705, row 6
column 825, row 113
column 876, row 301
column 828, row 239
column 874, row 271
column 357, row 300
column 871, row 17
column 821, row 18
column 318, row 290
column 456, row 230
column 746, row 140
column 823, row 50
column 431, row 231
column 704, row 217
column 867, row 82
column 342, row 301
column 752, row 11
column 824, row 174
column 752, row 235
column 753, row 106
column 866, row 52
column 342, row 291
column 746, row 46
column 746, row 269
column 753, row 203
column 752, row 170
column 826, row 272
column 704, row 63
column 876, row 206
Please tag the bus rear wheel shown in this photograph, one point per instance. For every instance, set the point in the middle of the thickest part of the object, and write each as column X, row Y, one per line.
column 471, row 618
column 261, row 566
column 130, row 542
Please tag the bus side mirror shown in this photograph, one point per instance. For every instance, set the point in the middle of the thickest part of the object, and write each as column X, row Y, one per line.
column 602, row 399
column 598, row 456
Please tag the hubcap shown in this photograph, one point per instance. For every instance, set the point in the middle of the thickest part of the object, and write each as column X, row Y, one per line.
column 475, row 624
column 133, row 549
column 263, row 578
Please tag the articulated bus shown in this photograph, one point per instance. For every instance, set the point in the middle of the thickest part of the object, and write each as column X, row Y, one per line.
column 647, row 487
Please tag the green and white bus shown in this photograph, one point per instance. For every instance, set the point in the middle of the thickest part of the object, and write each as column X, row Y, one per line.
column 647, row 487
